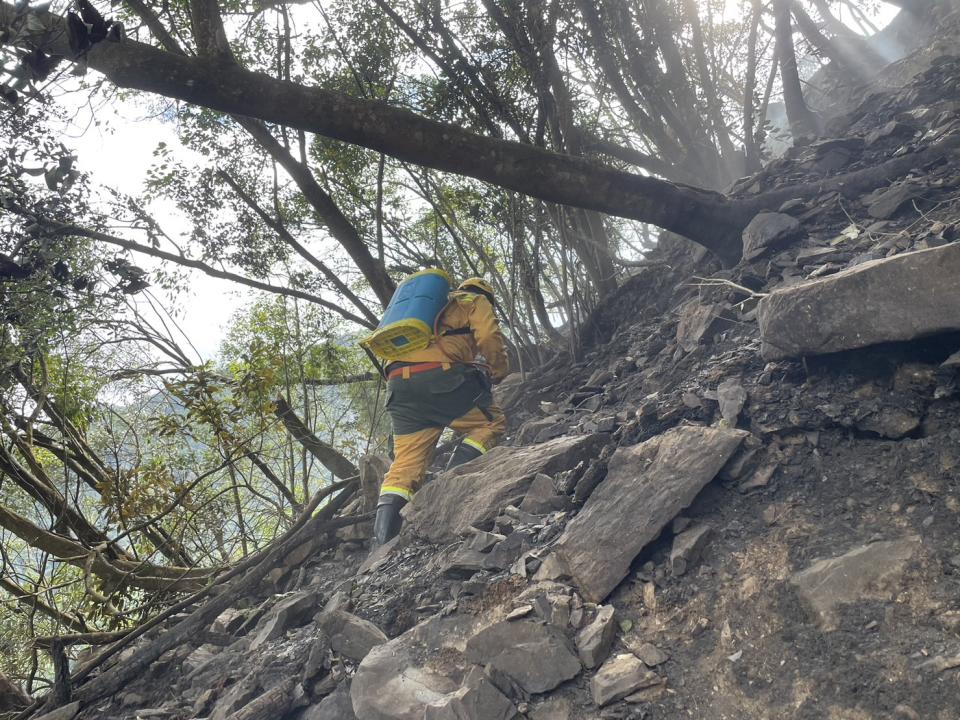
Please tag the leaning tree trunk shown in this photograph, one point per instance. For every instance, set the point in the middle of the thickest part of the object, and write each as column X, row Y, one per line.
column 803, row 123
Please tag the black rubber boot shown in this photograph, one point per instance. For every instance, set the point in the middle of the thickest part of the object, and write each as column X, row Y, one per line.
column 463, row 453
column 388, row 521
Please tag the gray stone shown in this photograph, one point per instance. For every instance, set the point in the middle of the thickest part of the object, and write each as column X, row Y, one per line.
column 646, row 486
column 505, row 553
column 199, row 657
column 65, row 712
column 889, row 422
column 889, row 202
column 621, row 676
column 815, row 255
column 760, row 478
column 869, row 572
column 478, row 699
column 335, row 706
column 239, row 694
column 731, row 396
column 696, row 321
column 471, row 495
column 463, row 564
column 482, row 541
column 592, row 403
column 378, row 556
column 595, row 640
column 892, row 128
column 509, row 390
column 900, row 298
column 952, row 361
column 350, row 636
column 531, row 429
column 542, row 497
column 649, row 653
column 552, row 709
column 288, row 613
column 228, row 621
column 766, row 231
column 536, row 657
column 399, row 679
column 688, row 547
column 600, row 378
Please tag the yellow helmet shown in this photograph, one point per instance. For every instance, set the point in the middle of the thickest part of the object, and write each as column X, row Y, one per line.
column 477, row 285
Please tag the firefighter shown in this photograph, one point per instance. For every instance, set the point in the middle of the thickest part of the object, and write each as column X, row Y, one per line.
column 441, row 386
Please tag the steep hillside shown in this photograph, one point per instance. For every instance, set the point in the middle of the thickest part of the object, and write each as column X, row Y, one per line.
column 742, row 500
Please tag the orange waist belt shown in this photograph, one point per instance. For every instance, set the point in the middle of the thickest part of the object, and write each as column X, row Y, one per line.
column 407, row 370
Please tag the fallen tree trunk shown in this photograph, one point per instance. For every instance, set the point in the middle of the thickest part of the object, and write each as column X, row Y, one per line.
column 706, row 217
column 114, row 679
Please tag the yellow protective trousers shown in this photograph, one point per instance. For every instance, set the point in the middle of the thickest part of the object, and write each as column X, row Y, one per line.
column 421, row 407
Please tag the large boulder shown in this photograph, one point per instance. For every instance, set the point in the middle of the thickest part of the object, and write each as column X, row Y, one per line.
column 537, row 657
column 868, row 572
column 478, row 699
column 900, row 298
column 424, row 666
column 646, row 486
column 471, row 495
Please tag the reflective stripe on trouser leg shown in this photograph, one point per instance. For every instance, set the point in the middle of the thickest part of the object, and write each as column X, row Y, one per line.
column 475, row 445
column 481, row 433
column 411, row 453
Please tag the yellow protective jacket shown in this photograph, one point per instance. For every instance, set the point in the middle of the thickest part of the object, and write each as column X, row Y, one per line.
column 473, row 311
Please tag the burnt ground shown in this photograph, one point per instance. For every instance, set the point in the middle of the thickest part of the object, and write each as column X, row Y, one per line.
column 865, row 446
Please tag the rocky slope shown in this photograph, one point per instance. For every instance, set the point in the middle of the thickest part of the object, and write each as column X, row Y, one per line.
column 741, row 501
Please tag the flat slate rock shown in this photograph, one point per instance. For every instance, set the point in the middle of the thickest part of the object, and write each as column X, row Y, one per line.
column 646, row 486
column 895, row 299
column 335, row 706
column 696, row 321
column 889, row 202
column 621, row 676
column 471, row 495
column 767, row 230
column 478, row 699
column 421, row 667
column 869, row 572
column 537, row 657
column 350, row 636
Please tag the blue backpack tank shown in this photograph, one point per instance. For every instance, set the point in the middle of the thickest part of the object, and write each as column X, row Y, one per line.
column 408, row 322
